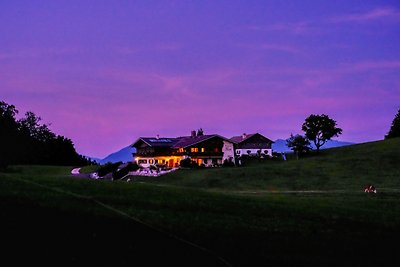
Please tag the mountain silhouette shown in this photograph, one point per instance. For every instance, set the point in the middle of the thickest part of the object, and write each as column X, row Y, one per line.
column 124, row 155
column 280, row 146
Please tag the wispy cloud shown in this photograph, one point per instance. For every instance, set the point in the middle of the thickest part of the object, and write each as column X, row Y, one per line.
column 270, row 46
column 33, row 53
column 163, row 47
column 370, row 65
column 300, row 27
column 375, row 14
column 312, row 26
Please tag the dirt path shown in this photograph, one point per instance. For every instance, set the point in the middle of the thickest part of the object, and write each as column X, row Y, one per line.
column 76, row 171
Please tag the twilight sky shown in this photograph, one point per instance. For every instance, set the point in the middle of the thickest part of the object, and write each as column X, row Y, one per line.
column 104, row 73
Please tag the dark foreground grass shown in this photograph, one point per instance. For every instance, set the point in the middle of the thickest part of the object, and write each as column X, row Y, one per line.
column 49, row 217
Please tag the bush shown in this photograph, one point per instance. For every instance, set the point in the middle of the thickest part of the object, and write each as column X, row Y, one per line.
column 228, row 163
column 107, row 168
column 161, row 166
column 125, row 170
column 188, row 163
column 132, row 166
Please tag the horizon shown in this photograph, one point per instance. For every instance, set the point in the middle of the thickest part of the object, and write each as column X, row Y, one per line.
column 105, row 73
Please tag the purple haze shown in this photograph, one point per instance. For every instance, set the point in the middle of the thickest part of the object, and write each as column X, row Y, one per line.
column 106, row 72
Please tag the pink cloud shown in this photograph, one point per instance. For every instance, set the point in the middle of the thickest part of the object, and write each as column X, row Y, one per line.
column 371, row 65
column 272, row 47
column 163, row 47
column 300, row 27
column 378, row 13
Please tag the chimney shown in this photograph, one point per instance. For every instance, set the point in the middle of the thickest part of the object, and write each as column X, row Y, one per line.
column 244, row 136
column 193, row 134
column 157, row 136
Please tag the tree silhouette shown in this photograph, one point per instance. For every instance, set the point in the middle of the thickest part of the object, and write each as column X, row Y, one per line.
column 319, row 129
column 27, row 141
column 8, row 133
column 395, row 127
column 299, row 144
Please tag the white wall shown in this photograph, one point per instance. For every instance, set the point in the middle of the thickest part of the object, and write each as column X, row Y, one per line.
column 240, row 152
column 228, row 150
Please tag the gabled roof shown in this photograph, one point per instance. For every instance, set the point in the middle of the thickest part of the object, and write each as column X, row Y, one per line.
column 178, row 142
column 156, row 142
column 242, row 138
column 239, row 139
column 185, row 141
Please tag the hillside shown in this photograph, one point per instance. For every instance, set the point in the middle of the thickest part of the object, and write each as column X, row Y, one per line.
column 344, row 168
column 243, row 216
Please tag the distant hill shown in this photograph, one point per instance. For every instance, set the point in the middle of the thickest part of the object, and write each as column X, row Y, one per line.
column 280, row 145
column 124, row 155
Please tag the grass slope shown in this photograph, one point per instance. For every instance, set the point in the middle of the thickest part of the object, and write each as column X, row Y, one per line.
column 344, row 168
column 53, row 218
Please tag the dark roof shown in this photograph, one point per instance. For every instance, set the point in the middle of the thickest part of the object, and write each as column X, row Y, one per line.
column 239, row 139
column 178, row 142
column 157, row 142
column 185, row 141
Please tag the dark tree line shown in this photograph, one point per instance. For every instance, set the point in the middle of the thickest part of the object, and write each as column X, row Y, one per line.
column 27, row 141
column 395, row 127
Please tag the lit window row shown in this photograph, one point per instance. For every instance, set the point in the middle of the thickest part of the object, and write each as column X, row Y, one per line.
column 192, row 149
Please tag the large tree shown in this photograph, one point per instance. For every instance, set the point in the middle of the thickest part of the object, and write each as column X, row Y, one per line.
column 299, row 144
column 319, row 129
column 395, row 128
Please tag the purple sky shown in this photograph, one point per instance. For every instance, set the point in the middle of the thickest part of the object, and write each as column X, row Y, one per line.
column 104, row 73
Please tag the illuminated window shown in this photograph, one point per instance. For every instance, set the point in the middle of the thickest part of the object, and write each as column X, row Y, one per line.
column 202, row 149
column 181, row 149
column 194, row 149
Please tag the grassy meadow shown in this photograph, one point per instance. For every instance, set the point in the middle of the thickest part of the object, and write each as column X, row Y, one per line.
column 347, row 168
column 310, row 211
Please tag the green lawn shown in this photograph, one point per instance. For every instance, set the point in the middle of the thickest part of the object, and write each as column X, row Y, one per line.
column 243, row 215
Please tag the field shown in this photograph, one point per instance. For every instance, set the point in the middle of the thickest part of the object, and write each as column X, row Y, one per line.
column 312, row 211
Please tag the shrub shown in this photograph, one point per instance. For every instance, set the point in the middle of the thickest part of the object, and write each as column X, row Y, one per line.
column 108, row 168
column 188, row 163
column 228, row 163
column 132, row 166
column 125, row 170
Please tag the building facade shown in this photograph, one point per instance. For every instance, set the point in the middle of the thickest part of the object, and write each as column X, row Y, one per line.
column 252, row 145
column 203, row 149
column 210, row 150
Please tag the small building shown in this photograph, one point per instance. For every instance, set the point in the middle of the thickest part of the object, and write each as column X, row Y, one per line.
column 252, row 145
